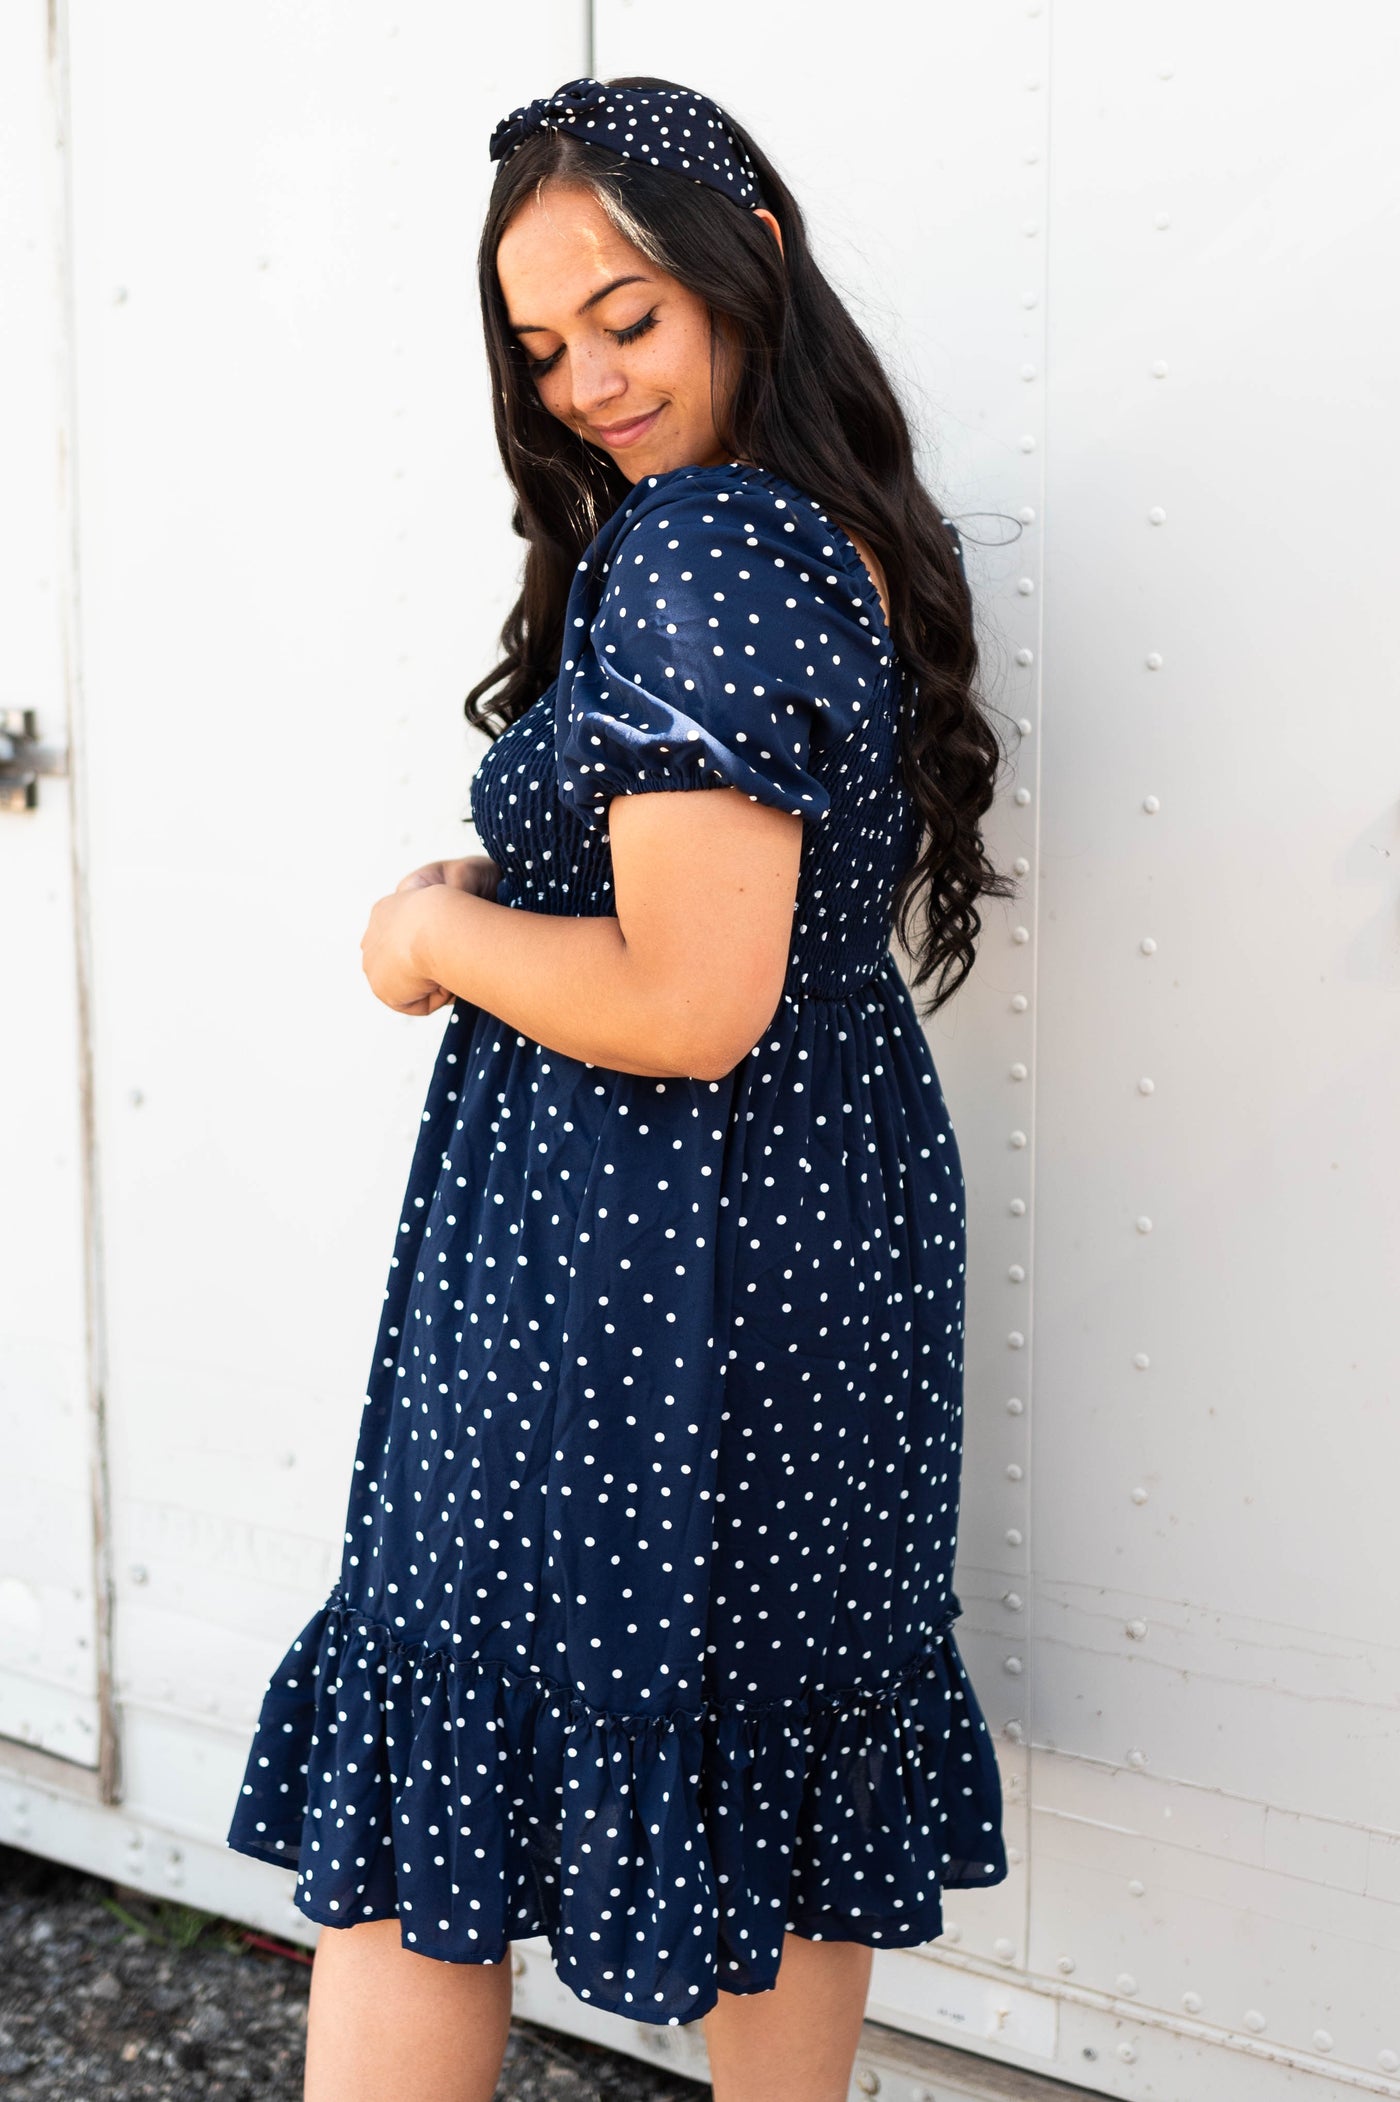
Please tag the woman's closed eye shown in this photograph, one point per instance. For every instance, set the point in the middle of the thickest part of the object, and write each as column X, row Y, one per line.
column 539, row 366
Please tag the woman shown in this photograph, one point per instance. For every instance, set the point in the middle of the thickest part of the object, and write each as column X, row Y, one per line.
column 642, row 1637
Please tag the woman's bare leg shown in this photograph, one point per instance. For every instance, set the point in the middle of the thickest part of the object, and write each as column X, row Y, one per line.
column 797, row 2043
column 385, row 2024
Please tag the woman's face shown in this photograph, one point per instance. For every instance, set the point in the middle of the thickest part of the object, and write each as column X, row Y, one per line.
column 619, row 351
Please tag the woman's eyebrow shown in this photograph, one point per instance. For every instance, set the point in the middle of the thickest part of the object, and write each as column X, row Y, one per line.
column 537, row 328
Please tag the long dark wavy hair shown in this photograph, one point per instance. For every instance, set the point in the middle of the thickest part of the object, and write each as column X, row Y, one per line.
column 811, row 402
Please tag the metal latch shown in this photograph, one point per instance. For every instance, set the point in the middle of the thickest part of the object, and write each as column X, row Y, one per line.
column 23, row 759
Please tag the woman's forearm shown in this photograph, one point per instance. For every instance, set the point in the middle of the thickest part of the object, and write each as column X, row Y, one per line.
column 570, row 983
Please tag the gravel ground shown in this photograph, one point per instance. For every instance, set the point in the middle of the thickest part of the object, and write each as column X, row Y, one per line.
column 108, row 1997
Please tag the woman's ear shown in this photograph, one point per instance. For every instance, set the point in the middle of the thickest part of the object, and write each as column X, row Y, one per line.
column 761, row 211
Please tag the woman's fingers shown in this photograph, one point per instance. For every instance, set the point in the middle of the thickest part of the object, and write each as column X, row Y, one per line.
column 431, row 872
column 470, row 872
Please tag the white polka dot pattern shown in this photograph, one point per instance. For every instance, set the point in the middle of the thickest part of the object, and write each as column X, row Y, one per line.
column 668, row 127
column 642, row 1637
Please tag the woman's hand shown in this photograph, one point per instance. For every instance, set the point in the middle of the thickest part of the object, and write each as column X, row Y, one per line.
column 477, row 873
column 389, row 946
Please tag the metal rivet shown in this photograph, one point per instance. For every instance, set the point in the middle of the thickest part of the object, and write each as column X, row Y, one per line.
column 1154, row 660
column 1144, row 1225
column 1151, row 804
column 1147, row 1086
column 1125, row 1982
column 1136, row 1758
column 1015, row 1406
column 1137, row 1629
column 1148, row 946
column 1012, row 1664
column 1141, row 1360
column 1025, row 585
column 1139, row 1496
column 1253, row 2019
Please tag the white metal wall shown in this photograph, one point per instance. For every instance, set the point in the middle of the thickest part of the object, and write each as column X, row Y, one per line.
column 52, row 1660
column 1135, row 270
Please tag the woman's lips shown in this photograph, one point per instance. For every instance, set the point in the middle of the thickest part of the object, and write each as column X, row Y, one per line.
column 617, row 434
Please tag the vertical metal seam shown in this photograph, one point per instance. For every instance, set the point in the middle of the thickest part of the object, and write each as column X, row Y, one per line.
column 1038, row 694
column 70, row 620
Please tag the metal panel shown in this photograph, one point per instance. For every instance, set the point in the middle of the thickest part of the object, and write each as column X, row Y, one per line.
column 1130, row 267
column 50, row 1492
column 297, row 547
column 1214, row 1659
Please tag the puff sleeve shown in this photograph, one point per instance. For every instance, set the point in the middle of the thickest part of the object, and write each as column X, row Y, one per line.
column 731, row 646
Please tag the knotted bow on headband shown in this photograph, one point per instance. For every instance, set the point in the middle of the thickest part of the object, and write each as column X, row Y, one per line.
column 666, row 127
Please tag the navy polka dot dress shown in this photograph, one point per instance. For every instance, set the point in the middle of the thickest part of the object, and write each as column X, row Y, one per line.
column 642, row 1638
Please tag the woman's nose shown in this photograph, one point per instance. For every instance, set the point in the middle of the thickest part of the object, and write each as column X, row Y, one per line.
column 597, row 380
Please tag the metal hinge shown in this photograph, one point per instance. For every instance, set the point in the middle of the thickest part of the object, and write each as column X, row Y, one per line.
column 23, row 759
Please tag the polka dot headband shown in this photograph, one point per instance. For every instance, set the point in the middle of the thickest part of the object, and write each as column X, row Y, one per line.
column 666, row 127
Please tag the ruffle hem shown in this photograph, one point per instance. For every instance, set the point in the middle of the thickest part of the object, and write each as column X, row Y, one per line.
column 663, row 1856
